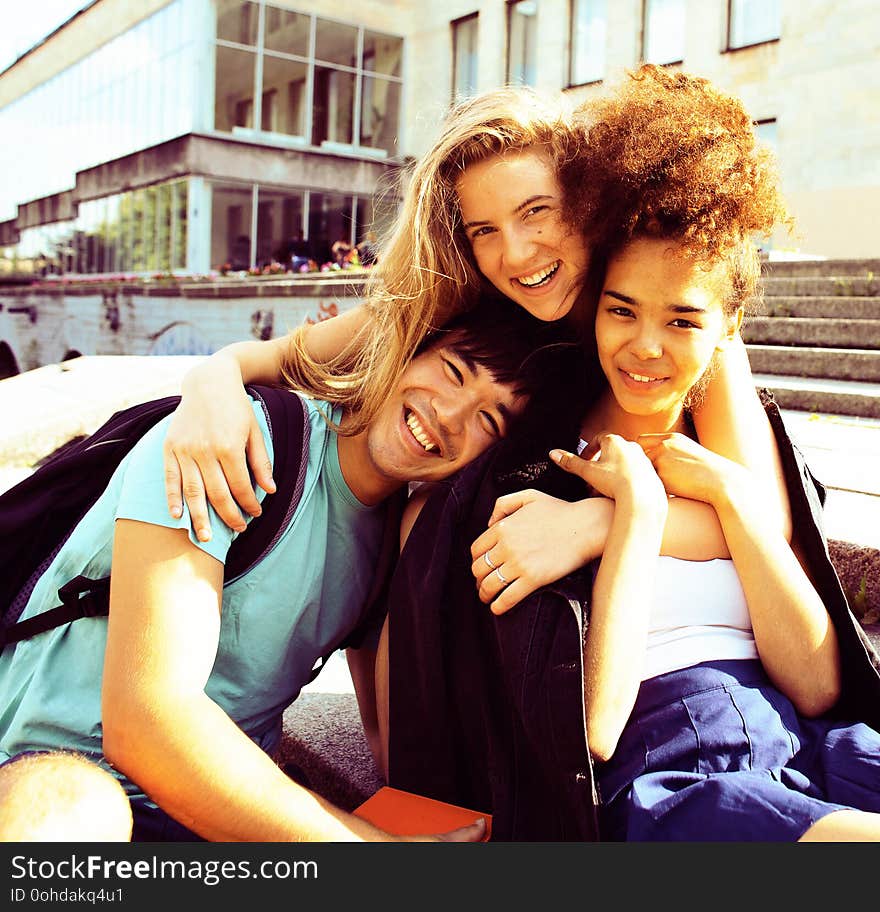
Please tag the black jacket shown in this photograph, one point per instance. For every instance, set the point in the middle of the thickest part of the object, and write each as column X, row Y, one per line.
column 488, row 712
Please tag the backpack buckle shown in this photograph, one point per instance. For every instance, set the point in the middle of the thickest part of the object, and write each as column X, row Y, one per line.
column 90, row 596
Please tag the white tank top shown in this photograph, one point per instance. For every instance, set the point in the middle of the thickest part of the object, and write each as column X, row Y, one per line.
column 700, row 614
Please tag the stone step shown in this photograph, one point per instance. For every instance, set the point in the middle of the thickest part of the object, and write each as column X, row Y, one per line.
column 803, row 268
column 864, row 308
column 830, row 363
column 831, row 286
column 826, row 332
column 811, row 394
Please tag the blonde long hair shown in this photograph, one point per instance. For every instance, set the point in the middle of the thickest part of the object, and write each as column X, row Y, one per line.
column 426, row 273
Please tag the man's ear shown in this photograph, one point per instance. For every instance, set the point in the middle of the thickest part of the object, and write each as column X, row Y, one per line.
column 734, row 323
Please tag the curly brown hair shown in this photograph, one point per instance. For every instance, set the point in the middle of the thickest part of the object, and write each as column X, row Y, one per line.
column 670, row 155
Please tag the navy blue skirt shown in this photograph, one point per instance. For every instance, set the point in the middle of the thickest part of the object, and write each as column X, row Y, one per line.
column 715, row 753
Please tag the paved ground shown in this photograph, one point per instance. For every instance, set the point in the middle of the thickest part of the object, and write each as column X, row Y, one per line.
column 844, row 454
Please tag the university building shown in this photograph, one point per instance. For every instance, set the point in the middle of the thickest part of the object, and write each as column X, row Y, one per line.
column 155, row 136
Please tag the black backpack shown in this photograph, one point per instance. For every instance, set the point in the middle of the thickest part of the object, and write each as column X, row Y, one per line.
column 38, row 514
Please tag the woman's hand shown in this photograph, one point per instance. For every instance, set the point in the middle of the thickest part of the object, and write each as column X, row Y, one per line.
column 212, row 438
column 688, row 469
column 618, row 469
column 534, row 539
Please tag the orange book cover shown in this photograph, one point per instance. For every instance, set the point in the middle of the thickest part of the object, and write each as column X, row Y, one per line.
column 408, row 814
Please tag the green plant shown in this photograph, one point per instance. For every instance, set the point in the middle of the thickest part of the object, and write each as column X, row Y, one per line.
column 858, row 601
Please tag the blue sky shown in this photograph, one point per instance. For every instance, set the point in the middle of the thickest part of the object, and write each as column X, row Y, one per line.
column 35, row 20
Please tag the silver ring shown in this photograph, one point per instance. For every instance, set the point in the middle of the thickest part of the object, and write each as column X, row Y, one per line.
column 500, row 576
column 488, row 560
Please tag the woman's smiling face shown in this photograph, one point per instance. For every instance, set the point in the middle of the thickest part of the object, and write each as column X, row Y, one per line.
column 659, row 323
column 511, row 209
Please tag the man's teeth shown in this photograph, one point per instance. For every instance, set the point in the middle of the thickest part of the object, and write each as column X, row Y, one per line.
column 538, row 277
column 419, row 433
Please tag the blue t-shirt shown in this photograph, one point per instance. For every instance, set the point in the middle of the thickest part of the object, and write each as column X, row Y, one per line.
column 276, row 620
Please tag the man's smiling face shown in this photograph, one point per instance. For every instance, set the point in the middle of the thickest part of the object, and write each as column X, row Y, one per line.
column 445, row 410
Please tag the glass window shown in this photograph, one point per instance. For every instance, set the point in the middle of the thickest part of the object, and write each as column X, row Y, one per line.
column 151, row 258
column 589, row 24
column 329, row 221
column 234, row 91
column 284, row 95
column 179, row 226
column 766, row 132
column 287, row 32
column 464, row 56
column 663, row 36
column 279, row 220
column 139, row 234
column 336, row 42
column 269, row 111
column 332, row 107
column 377, row 215
column 164, row 204
column 231, row 226
column 380, row 114
column 522, row 22
column 383, row 53
column 113, row 237
column 284, row 103
column 237, row 21
column 753, row 22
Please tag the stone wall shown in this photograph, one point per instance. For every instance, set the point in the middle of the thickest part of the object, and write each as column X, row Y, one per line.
column 44, row 325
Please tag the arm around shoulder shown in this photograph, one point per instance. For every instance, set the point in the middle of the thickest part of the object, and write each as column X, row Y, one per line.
column 732, row 422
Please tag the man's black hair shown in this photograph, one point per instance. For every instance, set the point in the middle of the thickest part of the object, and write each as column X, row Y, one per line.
column 506, row 340
column 548, row 361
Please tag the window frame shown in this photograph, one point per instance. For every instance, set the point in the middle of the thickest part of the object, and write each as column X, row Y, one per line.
column 571, row 49
column 644, row 50
column 510, row 5
column 256, row 133
column 731, row 48
column 454, row 25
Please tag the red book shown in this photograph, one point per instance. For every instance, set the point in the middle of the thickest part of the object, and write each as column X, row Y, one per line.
column 406, row 814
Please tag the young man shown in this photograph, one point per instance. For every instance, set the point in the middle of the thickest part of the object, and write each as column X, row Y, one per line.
column 180, row 692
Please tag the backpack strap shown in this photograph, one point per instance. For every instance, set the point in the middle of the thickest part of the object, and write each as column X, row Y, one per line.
column 287, row 419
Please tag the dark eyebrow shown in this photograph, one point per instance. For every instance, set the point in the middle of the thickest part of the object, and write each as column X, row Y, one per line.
column 463, row 356
column 473, row 366
column 523, row 205
column 675, row 308
column 532, row 199
column 626, row 299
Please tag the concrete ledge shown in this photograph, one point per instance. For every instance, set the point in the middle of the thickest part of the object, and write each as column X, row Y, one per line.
column 818, row 307
column 825, row 332
column 833, row 286
column 826, row 363
column 323, row 747
column 814, row 394
column 804, row 268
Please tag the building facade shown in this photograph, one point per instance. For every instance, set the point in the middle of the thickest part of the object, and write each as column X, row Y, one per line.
column 158, row 136
column 195, row 135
